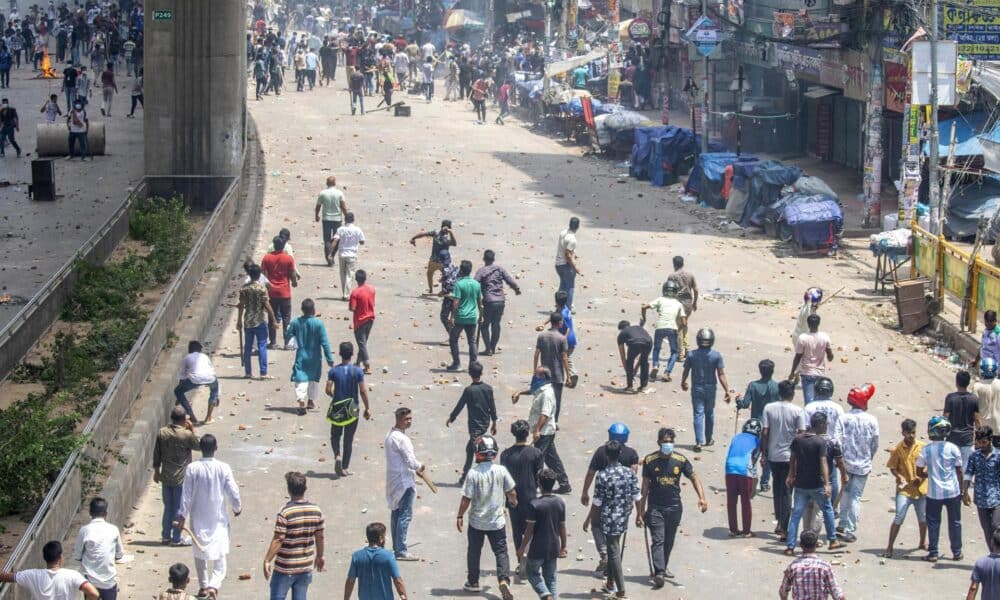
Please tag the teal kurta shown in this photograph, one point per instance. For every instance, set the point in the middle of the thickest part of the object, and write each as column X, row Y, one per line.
column 310, row 334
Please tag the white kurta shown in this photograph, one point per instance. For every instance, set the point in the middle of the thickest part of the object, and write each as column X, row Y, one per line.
column 400, row 467
column 207, row 484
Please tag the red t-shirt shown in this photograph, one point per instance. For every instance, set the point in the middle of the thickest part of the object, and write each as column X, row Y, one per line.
column 278, row 267
column 362, row 302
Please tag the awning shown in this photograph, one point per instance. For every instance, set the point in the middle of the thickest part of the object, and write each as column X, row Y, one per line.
column 987, row 75
column 820, row 92
column 623, row 28
column 967, row 129
column 459, row 18
column 569, row 64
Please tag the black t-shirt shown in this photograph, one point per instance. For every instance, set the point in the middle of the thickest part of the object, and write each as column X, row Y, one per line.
column 634, row 335
column 961, row 408
column 809, row 449
column 69, row 77
column 8, row 116
column 599, row 460
column 833, row 453
column 524, row 463
column 548, row 513
column 477, row 399
column 664, row 475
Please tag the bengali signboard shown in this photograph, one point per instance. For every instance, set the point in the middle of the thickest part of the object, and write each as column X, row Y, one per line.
column 976, row 30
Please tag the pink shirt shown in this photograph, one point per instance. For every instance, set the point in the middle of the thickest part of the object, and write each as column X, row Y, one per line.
column 812, row 347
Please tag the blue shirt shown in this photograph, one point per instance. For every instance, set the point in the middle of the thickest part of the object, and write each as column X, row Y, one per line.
column 991, row 344
column 346, row 379
column 986, row 472
column 374, row 568
column 704, row 363
column 567, row 329
column 742, row 450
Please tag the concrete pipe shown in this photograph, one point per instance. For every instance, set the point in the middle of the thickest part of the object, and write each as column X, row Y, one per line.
column 53, row 139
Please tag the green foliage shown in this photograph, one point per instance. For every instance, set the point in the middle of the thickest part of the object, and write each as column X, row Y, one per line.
column 163, row 224
column 67, row 364
column 108, row 291
column 109, row 341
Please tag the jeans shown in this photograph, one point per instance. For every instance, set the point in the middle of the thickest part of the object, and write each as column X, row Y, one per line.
column 558, row 389
column 903, row 503
column 966, row 453
column 347, row 432
column 399, row 523
column 567, row 281
column 299, row 584
column 70, row 97
column 108, row 594
column 801, row 498
column 490, row 327
column 781, row 495
column 850, row 510
column 429, row 90
column 703, row 406
column 186, row 386
column 765, row 473
column 136, row 101
column 739, row 487
column 550, row 456
column 348, row 266
column 446, row 304
column 107, row 96
column 954, row 507
column 613, row 570
column 255, row 335
column 470, row 336
column 361, row 337
column 600, row 540
column 542, row 576
column 637, row 353
column 282, row 314
column 989, row 519
column 480, row 106
column 671, row 336
column 80, row 137
column 470, row 452
column 498, row 544
column 4, row 78
column 171, row 507
column 808, row 387
column 662, row 522
column 357, row 98
column 369, row 83
column 7, row 135
column 329, row 230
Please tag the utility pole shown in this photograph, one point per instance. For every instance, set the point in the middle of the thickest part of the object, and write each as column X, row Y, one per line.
column 704, row 90
column 932, row 168
column 739, row 109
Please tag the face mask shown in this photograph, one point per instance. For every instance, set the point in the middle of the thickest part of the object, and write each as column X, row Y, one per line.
column 667, row 447
column 536, row 383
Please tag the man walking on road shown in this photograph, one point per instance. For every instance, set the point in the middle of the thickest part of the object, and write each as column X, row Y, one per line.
column 782, row 421
column 961, row 408
column 618, row 432
column 541, row 420
column 466, row 314
column 552, row 352
column 297, row 545
column 491, row 278
column 345, row 383
column 400, row 483
column 812, row 350
column 362, row 305
column 374, row 569
column 670, row 315
column 809, row 478
column 9, row 123
column 98, row 547
column 639, row 344
column 545, row 538
column 208, row 484
column 279, row 268
column 254, row 312
column 615, row 492
column 687, row 293
column 311, row 347
column 940, row 463
column 983, row 472
column 346, row 243
column 482, row 413
column 809, row 577
column 706, row 368
column 330, row 209
column 910, row 489
column 860, row 446
column 660, row 508
column 566, row 267
column 524, row 462
column 171, row 456
column 987, row 389
column 485, row 489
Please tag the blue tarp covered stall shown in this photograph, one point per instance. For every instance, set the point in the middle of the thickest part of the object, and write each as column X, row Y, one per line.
column 967, row 130
column 658, row 152
column 768, row 178
column 968, row 203
column 707, row 178
column 811, row 221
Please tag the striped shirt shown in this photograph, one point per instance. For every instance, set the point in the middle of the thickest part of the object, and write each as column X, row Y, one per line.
column 940, row 459
column 298, row 521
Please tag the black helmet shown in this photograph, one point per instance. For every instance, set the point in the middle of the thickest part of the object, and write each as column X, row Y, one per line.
column 705, row 338
column 486, row 448
column 670, row 288
column 824, row 387
column 938, row 428
column 753, row 426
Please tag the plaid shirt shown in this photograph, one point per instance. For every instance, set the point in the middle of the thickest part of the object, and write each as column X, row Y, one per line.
column 810, row 578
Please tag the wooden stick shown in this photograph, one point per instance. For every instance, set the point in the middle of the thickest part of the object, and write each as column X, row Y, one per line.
column 427, row 480
column 830, row 297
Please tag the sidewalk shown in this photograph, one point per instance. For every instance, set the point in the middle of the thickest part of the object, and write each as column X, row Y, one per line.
column 36, row 238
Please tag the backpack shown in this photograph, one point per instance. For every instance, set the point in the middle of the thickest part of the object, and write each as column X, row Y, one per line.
column 342, row 412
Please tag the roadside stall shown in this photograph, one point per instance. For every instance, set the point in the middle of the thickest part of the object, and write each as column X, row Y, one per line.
column 812, row 222
column 711, row 178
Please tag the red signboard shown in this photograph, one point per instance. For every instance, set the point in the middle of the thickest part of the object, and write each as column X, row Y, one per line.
column 897, row 79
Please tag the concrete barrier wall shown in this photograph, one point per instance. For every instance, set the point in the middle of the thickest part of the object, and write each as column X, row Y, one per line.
column 128, row 479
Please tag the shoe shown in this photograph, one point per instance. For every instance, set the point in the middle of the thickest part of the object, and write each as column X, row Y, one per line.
column 957, row 556
column 471, row 587
column 573, row 380
column 789, row 551
column 406, row 557
column 338, row 466
column 454, row 367
column 847, row 537
column 835, row 544
column 658, row 581
column 840, row 530
column 697, row 448
column 667, row 378
column 165, row 541
column 301, row 411
column 667, row 573
column 311, row 405
column 710, row 443
column 505, row 586
column 654, row 372
column 185, row 541
column 564, row 489
column 602, row 566
column 102, row 112
column 930, row 558
column 764, row 487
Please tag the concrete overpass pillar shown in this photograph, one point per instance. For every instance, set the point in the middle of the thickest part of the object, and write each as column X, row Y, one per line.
column 195, row 86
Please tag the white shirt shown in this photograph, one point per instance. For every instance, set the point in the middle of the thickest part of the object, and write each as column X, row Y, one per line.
column 47, row 584
column 401, row 62
column 486, row 485
column 940, row 460
column 567, row 241
column 98, row 546
column 349, row 237
column 207, row 485
column 198, row 368
column 543, row 403
column 860, row 441
column 400, row 466
column 833, row 411
column 668, row 310
column 988, row 391
column 427, row 50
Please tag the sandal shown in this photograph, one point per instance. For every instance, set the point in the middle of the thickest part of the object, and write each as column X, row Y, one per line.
column 789, row 552
column 933, row 558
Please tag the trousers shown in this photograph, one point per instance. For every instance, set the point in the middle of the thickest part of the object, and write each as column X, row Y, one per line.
column 470, row 336
column 954, row 508
column 210, row 572
column 739, row 487
column 550, row 456
column 347, row 434
column 348, row 266
column 399, row 523
column 255, row 336
column 490, row 327
column 662, row 522
column 498, row 544
column 613, row 571
column 782, row 496
column 640, row 353
column 361, row 337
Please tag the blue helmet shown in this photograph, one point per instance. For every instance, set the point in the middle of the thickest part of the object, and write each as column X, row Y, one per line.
column 813, row 295
column 938, row 428
column 618, row 432
column 988, row 368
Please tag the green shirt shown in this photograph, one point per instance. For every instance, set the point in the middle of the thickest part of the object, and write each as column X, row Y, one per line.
column 468, row 293
column 330, row 200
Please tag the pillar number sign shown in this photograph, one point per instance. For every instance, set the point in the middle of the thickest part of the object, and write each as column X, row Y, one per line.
column 163, row 15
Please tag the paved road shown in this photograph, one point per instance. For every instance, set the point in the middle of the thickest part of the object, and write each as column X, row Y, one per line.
column 511, row 190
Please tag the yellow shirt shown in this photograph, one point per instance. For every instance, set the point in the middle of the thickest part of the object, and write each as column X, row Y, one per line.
column 904, row 461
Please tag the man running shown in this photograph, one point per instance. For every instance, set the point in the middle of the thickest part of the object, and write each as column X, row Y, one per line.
column 687, row 293
column 482, row 413
column 362, row 305
column 670, row 316
column 346, row 243
column 466, row 314
column 566, row 267
column 491, row 278
column 442, row 241
column 541, row 419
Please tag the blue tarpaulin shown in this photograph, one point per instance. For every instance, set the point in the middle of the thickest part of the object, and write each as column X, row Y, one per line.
column 967, row 129
column 970, row 202
column 711, row 167
column 765, row 186
column 813, row 220
column 658, row 150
